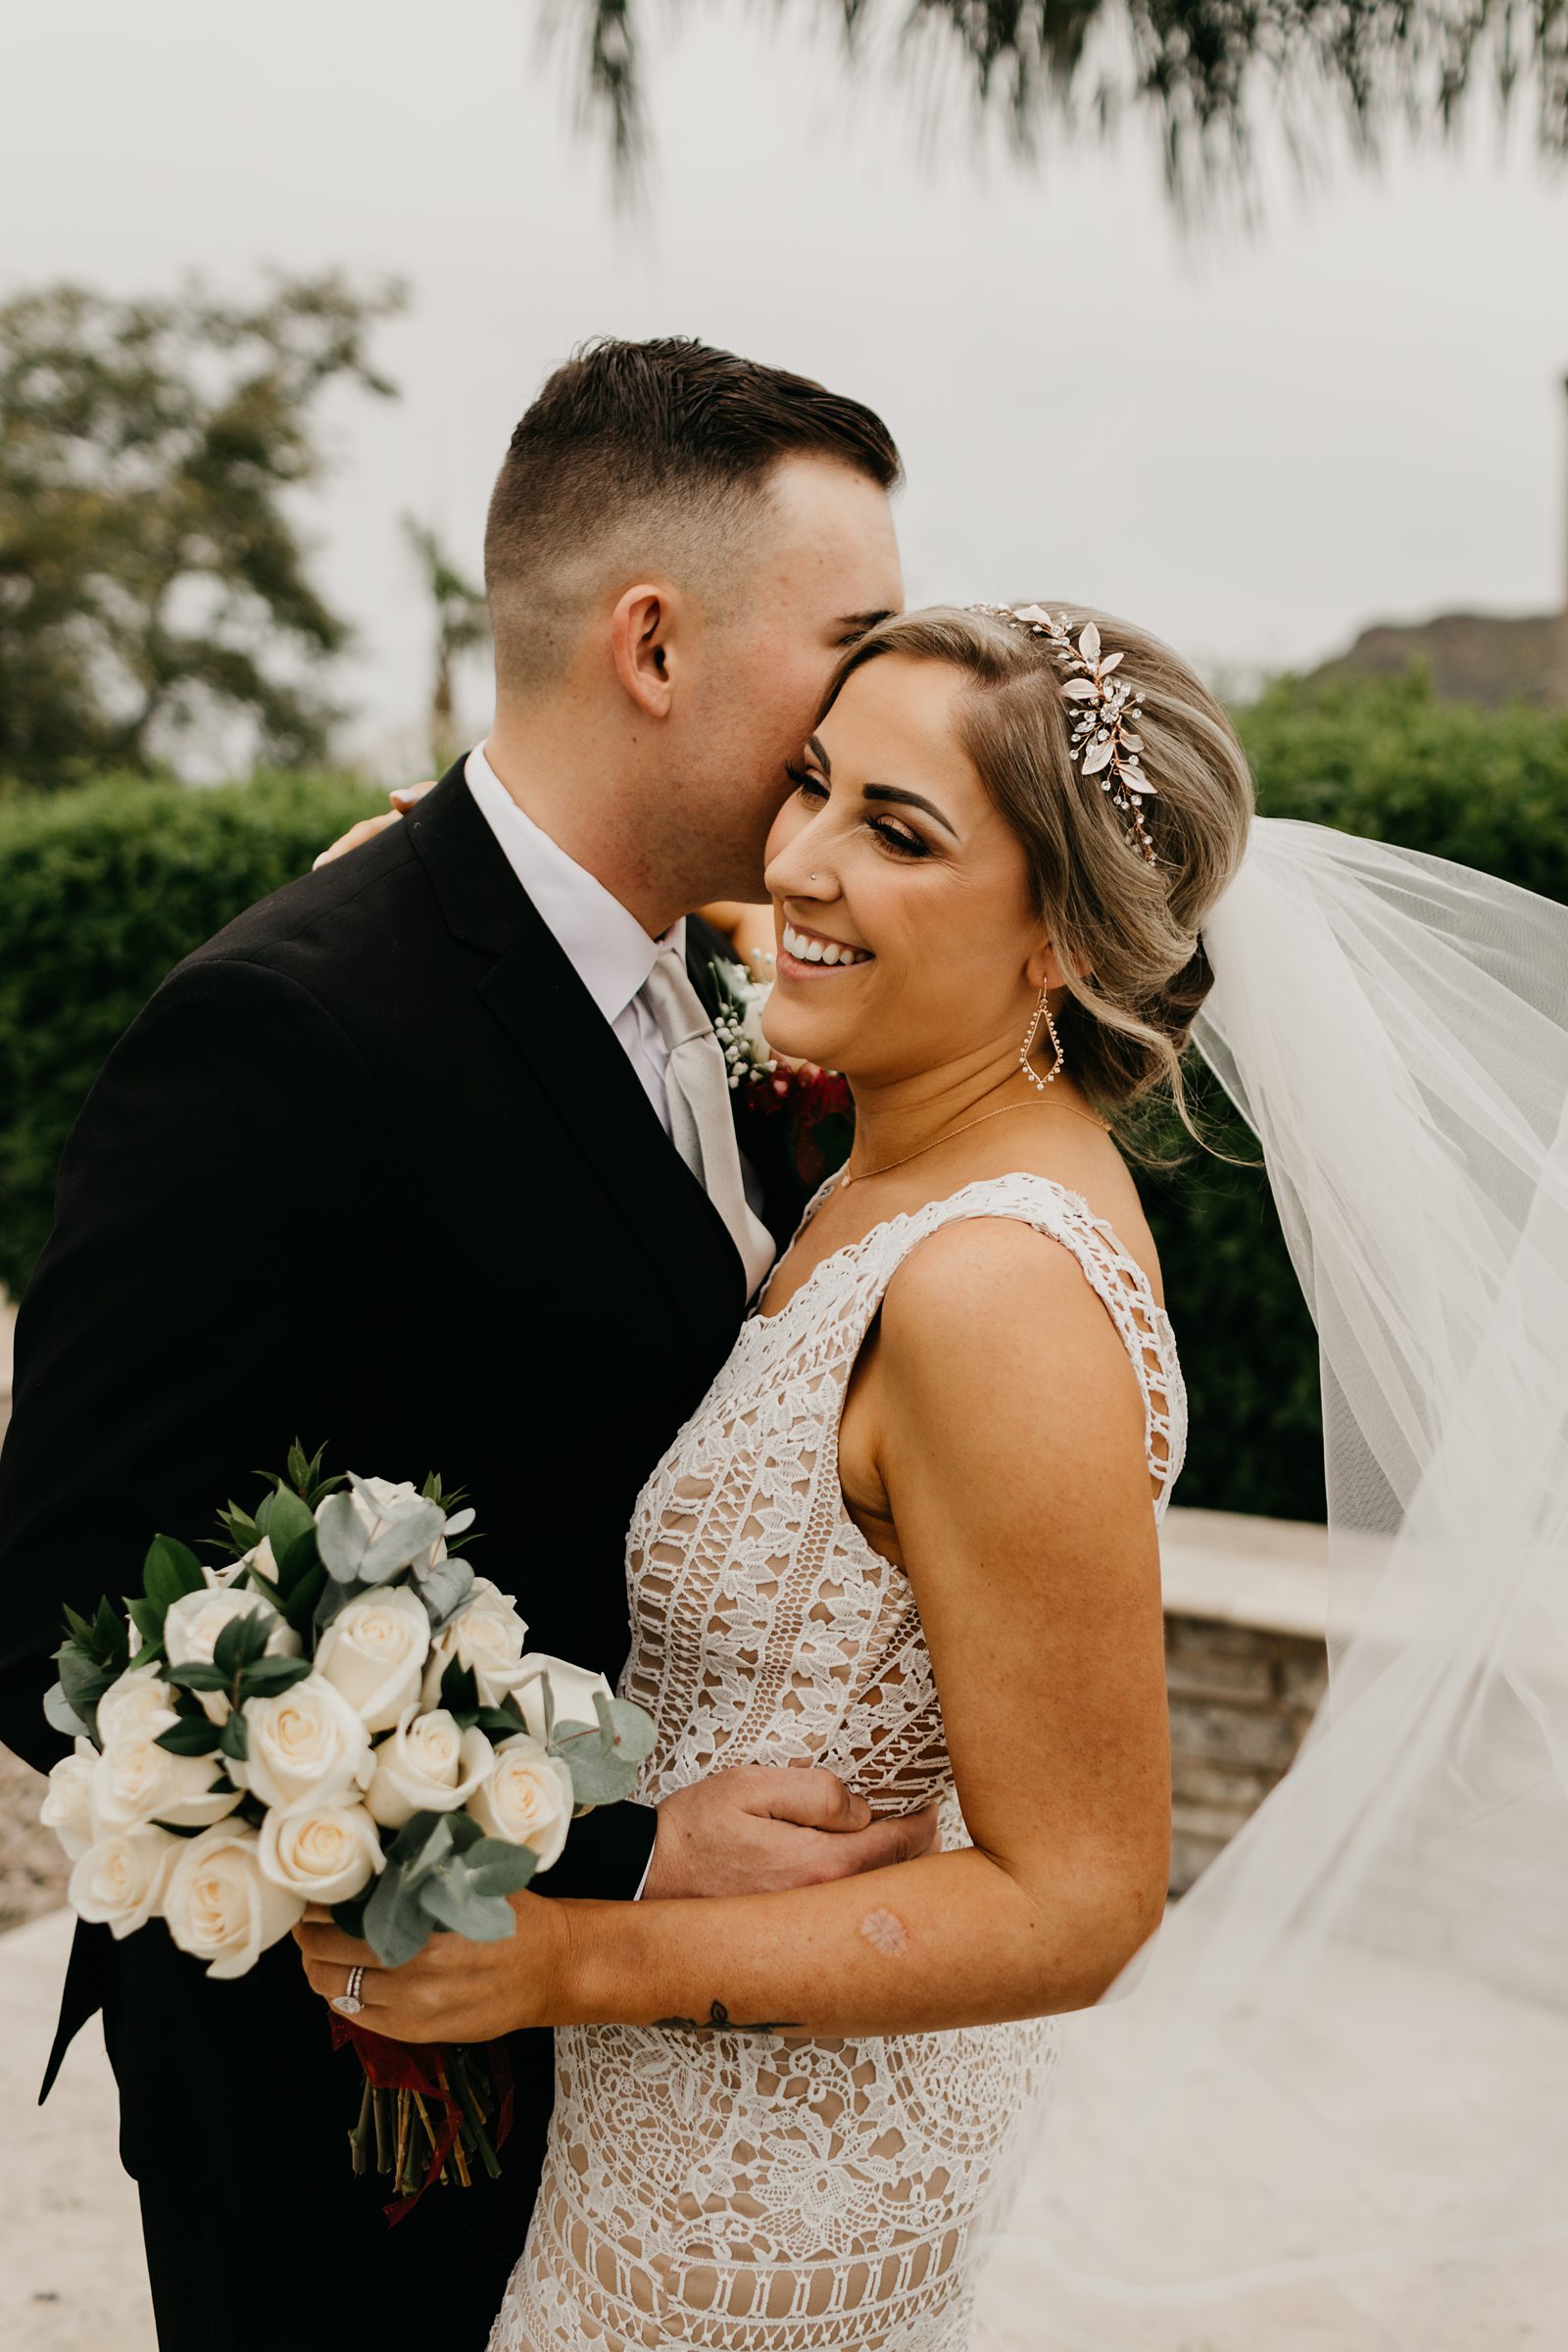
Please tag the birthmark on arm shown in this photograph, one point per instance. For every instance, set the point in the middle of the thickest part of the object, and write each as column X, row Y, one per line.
column 885, row 1932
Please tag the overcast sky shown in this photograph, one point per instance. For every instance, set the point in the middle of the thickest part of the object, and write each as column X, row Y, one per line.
column 1255, row 443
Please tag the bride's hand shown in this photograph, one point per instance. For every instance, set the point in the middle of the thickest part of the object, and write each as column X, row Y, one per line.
column 403, row 800
column 454, row 1991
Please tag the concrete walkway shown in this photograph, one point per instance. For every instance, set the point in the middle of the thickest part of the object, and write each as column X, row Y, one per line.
column 71, row 2276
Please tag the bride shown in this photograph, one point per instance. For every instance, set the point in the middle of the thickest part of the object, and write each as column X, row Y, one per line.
column 911, row 1532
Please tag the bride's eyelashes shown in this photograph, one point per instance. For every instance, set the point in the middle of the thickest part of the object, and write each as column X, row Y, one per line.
column 813, row 787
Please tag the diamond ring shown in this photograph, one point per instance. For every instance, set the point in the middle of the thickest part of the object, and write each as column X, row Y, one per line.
column 348, row 2002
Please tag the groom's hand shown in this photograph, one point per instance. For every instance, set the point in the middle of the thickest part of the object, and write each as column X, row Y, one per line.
column 763, row 1828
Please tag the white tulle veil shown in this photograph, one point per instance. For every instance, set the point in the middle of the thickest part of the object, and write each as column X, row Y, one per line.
column 1327, row 2108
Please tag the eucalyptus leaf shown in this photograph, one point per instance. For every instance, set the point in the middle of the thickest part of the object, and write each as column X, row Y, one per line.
column 169, row 1571
column 396, row 1928
column 497, row 1868
column 459, row 1524
column 447, row 1897
column 410, row 1533
column 424, row 1839
column 340, row 1537
column 61, row 1715
column 444, row 1588
column 466, row 1831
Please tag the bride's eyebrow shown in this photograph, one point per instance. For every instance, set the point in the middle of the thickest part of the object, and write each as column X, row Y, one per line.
column 908, row 800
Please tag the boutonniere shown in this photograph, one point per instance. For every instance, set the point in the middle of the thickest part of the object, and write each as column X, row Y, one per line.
column 816, row 1105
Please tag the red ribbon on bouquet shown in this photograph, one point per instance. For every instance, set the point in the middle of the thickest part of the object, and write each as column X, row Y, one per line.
column 424, row 2070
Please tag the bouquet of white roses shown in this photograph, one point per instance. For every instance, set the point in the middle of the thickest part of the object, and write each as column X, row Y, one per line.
column 342, row 1713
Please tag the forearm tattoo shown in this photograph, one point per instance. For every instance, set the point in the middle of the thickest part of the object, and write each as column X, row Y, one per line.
column 719, row 2021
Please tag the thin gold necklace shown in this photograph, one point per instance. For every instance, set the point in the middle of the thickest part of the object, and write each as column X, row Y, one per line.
column 864, row 1174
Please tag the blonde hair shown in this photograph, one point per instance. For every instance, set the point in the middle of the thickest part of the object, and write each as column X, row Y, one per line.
column 1134, row 927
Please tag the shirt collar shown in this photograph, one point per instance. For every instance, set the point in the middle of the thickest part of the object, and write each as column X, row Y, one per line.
column 603, row 940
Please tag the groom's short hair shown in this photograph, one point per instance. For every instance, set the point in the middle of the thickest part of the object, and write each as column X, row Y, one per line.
column 647, row 457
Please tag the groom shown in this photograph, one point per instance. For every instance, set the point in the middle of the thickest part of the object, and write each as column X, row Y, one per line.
column 429, row 1156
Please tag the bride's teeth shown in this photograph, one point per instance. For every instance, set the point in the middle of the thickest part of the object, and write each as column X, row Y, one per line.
column 830, row 953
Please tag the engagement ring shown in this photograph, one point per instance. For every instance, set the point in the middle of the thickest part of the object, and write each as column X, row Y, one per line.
column 348, row 2002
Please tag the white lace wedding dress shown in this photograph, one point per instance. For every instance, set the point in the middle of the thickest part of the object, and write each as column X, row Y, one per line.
column 779, row 2193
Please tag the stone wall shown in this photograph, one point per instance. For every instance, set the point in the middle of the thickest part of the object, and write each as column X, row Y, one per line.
column 1241, row 1700
column 1246, row 1666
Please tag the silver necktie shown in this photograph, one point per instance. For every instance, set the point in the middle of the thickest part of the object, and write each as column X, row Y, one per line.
column 697, row 1085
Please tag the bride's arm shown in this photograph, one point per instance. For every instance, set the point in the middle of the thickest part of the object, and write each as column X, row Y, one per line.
column 1009, row 1438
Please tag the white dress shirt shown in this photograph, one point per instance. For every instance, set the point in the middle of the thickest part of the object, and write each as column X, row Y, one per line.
column 604, row 941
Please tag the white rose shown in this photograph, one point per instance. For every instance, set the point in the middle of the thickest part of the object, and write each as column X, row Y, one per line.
column 135, row 1781
column 372, row 1652
column 122, row 1881
column 194, row 1622
column 307, row 1747
column 68, row 1807
column 387, row 1493
column 141, row 1701
column 426, row 1766
column 221, row 1574
column 324, row 1852
column 486, row 1636
column 526, row 1799
column 571, row 1689
column 218, row 1905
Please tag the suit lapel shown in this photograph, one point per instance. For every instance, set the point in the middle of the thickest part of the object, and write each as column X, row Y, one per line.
column 530, row 988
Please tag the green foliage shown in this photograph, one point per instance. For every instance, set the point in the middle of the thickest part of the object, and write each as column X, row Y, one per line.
column 1385, row 760
column 103, row 889
column 151, row 566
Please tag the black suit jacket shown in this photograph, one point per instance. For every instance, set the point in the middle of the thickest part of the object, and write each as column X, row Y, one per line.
column 369, row 1168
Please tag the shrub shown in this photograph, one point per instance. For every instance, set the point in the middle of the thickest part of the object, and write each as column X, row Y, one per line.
column 1385, row 759
column 103, row 889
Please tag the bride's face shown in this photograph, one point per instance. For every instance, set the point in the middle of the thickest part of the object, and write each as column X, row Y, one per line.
column 907, row 938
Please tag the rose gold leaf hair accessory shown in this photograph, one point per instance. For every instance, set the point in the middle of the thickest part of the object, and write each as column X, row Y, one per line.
column 1107, row 712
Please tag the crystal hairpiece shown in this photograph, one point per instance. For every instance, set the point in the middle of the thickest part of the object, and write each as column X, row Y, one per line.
column 1104, row 738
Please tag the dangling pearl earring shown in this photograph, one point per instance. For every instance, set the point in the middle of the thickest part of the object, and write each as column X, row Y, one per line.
column 1042, row 1013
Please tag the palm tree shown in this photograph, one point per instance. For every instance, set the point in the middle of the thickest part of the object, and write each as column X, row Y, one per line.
column 462, row 626
column 1196, row 70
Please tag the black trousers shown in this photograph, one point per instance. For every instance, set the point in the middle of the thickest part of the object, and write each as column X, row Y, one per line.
column 280, row 2270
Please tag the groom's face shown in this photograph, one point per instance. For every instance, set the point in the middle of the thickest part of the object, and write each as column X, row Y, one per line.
column 823, row 568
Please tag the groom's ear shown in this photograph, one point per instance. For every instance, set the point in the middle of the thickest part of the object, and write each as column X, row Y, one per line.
column 639, row 632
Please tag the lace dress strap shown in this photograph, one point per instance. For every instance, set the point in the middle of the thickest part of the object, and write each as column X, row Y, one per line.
column 1116, row 1279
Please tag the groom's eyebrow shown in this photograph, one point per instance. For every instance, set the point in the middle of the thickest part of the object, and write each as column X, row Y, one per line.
column 856, row 624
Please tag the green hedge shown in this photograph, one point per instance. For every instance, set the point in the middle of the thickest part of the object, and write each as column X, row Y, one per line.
column 103, row 889
column 1384, row 759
